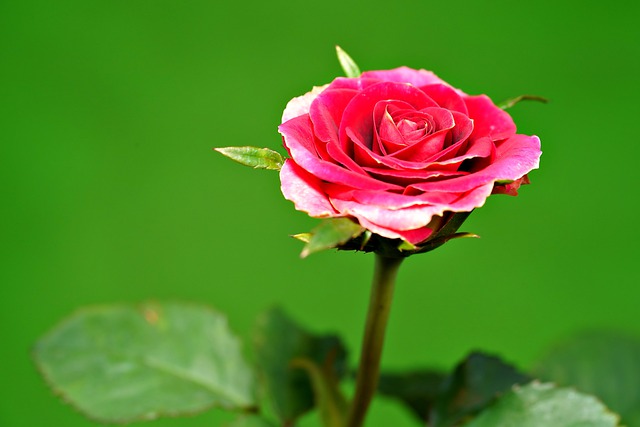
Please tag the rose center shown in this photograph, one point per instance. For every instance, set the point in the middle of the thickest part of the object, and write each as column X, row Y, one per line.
column 414, row 129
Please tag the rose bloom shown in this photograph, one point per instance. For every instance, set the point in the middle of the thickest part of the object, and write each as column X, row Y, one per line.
column 396, row 150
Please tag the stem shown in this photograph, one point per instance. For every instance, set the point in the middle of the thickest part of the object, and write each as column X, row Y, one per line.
column 382, row 286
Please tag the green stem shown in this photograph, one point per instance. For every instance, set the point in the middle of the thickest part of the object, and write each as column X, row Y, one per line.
column 382, row 287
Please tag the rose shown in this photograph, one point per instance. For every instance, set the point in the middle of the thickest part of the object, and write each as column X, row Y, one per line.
column 398, row 149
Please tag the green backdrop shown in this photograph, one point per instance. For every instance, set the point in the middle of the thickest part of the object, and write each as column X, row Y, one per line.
column 110, row 190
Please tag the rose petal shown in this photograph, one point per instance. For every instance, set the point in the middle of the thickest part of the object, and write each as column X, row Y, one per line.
column 446, row 97
column 305, row 191
column 386, row 132
column 358, row 115
column 300, row 142
column 412, row 236
column 351, row 83
column 514, row 158
column 326, row 112
column 421, row 150
column 471, row 200
column 489, row 120
column 405, row 75
column 339, row 156
column 300, row 105
column 479, row 148
column 394, row 219
column 410, row 176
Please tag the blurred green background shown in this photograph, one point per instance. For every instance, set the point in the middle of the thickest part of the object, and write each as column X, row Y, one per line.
column 110, row 190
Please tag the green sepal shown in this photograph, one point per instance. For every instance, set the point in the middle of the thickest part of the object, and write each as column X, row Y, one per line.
column 124, row 363
column 397, row 248
column 347, row 63
column 503, row 181
column 280, row 343
column 303, row 237
column 436, row 243
column 406, row 246
column 366, row 236
column 545, row 405
column 331, row 233
column 257, row 158
column 508, row 103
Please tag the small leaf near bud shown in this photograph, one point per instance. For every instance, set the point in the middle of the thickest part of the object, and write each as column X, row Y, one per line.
column 348, row 65
column 513, row 101
column 331, row 233
column 303, row 237
column 257, row 158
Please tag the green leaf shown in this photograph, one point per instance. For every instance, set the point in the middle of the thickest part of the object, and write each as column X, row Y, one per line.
column 474, row 384
column 124, row 363
column 279, row 343
column 331, row 233
column 513, row 101
column 331, row 404
column 303, row 237
column 417, row 390
column 348, row 65
column 257, row 158
column 605, row 364
column 544, row 405
column 251, row 421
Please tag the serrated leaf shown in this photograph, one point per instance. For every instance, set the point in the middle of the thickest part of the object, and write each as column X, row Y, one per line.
column 279, row 341
column 348, row 65
column 123, row 363
column 257, row 158
column 605, row 364
column 545, row 405
column 417, row 390
column 474, row 384
column 506, row 104
column 331, row 233
column 251, row 421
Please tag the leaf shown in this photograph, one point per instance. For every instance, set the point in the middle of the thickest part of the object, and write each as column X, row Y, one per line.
column 605, row 364
column 545, row 405
column 331, row 404
column 348, row 65
column 257, row 158
column 251, row 421
column 474, row 384
column 303, row 237
column 513, row 101
column 278, row 342
column 123, row 363
column 331, row 233
column 417, row 390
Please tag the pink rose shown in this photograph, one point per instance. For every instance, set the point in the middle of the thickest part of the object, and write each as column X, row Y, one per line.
column 396, row 150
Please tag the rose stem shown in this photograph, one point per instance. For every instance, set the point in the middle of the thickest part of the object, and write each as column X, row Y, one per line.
column 382, row 286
